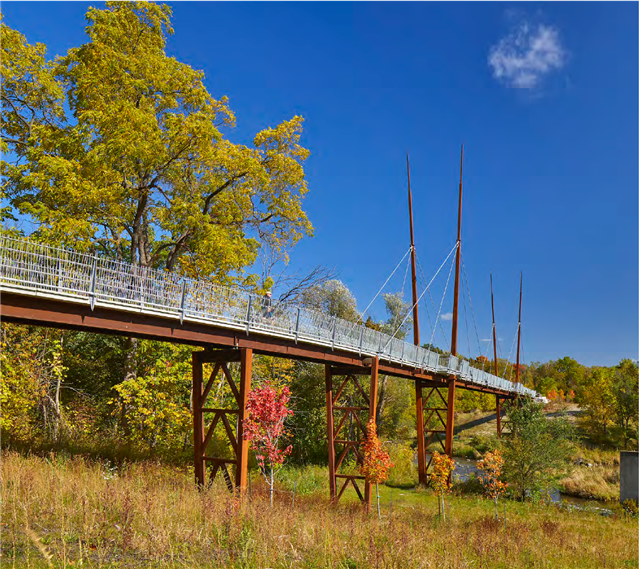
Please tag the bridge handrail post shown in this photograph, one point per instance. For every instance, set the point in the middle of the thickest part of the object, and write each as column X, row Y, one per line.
column 94, row 270
column 297, row 323
column 140, row 276
column 361, row 338
column 182, row 299
column 59, row 259
column 333, row 334
column 249, row 313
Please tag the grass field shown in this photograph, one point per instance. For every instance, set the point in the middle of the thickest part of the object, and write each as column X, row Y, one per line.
column 70, row 512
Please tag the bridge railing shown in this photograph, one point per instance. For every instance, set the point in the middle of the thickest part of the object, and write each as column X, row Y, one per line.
column 30, row 267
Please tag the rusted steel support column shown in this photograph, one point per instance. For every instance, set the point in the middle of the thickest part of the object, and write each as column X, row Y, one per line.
column 246, row 359
column 346, row 425
column 206, row 419
column 422, row 467
column 328, row 377
column 373, row 402
column 198, row 419
column 451, row 403
column 498, row 416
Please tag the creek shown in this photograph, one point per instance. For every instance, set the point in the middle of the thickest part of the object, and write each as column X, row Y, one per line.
column 465, row 467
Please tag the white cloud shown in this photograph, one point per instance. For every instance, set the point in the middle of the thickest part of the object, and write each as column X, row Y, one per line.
column 526, row 55
column 447, row 316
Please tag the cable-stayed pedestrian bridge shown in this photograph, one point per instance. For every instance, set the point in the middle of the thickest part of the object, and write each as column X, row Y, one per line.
column 36, row 270
column 62, row 288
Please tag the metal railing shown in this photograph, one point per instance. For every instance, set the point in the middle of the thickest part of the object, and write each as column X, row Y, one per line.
column 28, row 267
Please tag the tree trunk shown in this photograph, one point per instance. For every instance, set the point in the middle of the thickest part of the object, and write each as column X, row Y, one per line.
column 382, row 399
column 130, row 372
column 272, row 485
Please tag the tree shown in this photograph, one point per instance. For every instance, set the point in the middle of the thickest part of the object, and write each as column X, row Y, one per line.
column 332, row 298
column 599, row 401
column 375, row 464
column 153, row 406
column 537, row 449
column 440, row 479
column 139, row 170
column 625, row 389
column 264, row 427
column 490, row 468
column 119, row 150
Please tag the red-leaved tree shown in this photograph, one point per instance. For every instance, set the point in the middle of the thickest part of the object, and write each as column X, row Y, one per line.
column 264, row 427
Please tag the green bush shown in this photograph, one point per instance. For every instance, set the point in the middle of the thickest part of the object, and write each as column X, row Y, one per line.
column 404, row 472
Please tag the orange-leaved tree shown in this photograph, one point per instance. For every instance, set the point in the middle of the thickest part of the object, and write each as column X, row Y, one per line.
column 440, row 479
column 490, row 468
column 376, row 463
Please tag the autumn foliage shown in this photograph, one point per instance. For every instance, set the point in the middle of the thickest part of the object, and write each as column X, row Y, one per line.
column 264, row 425
column 442, row 468
column 490, row 468
column 376, row 464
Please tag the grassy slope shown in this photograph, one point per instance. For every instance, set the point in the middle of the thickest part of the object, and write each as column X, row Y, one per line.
column 60, row 512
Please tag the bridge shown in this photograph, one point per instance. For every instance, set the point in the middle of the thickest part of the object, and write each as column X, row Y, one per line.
column 63, row 288
column 58, row 287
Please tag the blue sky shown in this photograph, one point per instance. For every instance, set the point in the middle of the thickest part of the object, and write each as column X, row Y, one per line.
column 544, row 97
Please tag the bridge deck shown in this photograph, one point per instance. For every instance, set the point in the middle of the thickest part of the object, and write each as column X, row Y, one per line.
column 58, row 287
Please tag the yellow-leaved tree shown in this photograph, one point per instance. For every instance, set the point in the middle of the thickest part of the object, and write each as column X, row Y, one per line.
column 139, row 168
column 119, row 149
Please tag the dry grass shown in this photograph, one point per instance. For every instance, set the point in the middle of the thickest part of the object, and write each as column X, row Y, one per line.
column 597, row 482
column 70, row 513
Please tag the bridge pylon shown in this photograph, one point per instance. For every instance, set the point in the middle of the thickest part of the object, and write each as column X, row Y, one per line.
column 348, row 403
column 435, row 407
column 206, row 419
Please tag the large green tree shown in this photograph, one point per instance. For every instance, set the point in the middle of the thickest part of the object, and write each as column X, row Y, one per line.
column 139, row 168
column 536, row 450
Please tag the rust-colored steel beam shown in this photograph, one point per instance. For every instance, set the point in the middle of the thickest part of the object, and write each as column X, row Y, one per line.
column 422, row 467
column 498, row 416
column 40, row 311
column 330, row 436
column 495, row 345
column 246, row 360
column 519, row 326
column 373, row 403
column 495, row 362
column 414, row 279
column 198, row 420
column 456, row 287
column 451, row 405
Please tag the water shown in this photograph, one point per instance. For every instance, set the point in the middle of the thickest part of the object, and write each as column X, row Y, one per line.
column 465, row 467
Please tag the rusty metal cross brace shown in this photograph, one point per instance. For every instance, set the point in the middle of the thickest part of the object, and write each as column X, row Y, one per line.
column 202, row 436
column 434, row 414
column 352, row 401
